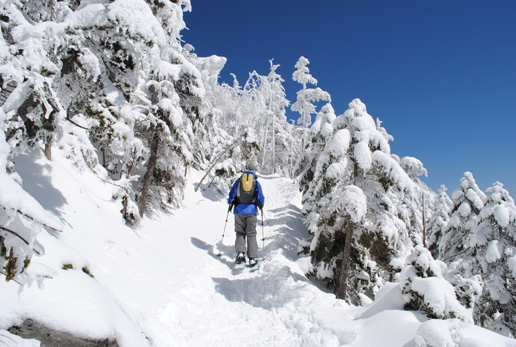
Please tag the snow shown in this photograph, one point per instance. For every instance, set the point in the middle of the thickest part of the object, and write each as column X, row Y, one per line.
column 501, row 214
column 493, row 253
column 92, row 14
column 413, row 166
column 162, row 284
column 511, row 262
column 440, row 297
column 339, row 144
column 437, row 333
column 464, row 209
column 9, row 340
column 136, row 16
column 363, row 155
column 354, row 203
column 393, row 170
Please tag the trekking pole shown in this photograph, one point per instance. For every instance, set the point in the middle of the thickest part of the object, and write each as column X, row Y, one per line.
column 263, row 237
column 227, row 216
column 224, row 232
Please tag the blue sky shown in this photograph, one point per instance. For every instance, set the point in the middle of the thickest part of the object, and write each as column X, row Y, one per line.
column 440, row 75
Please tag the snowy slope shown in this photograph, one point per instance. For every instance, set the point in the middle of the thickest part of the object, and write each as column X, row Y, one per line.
column 164, row 285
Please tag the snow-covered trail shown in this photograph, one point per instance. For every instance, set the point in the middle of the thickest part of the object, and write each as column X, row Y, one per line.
column 272, row 307
column 162, row 285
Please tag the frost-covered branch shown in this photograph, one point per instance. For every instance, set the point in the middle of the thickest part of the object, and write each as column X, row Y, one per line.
column 18, row 236
column 34, row 219
column 15, row 234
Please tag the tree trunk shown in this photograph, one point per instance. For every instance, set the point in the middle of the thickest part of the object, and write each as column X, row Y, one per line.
column 424, row 222
column 151, row 164
column 48, row 151
column 345, row 265
column 273, row 147
column 264, row 149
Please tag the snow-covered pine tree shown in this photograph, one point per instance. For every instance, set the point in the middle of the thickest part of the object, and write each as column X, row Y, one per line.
column 321, row 131
column 358, row 155
column 424, row 288
column 30, row 116
column 29, row 102
column 305, row 107
column 317, row 164
column 468, row 200
column 175, row 90
column 85, row 74
column 450, row 238
column 494, row 243
column 413, row 207
column 438, row 221
column 306, row 96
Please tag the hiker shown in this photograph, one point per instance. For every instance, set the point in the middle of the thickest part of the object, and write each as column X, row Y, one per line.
column 247, row 197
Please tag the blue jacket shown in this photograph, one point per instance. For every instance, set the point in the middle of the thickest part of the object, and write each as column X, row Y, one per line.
column 246, row 208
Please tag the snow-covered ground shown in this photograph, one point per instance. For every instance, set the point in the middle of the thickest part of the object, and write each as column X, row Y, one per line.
column 164, row 285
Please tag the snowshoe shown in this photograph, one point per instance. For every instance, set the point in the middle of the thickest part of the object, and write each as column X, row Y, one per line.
column 254, row 265
column 240, row 259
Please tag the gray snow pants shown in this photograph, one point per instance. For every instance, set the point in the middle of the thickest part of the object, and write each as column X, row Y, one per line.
column 245, row 228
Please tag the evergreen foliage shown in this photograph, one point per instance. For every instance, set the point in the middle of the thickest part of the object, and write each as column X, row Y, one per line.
column 468, row 200
column 478, row 242
column 357, row 154
column 425, row 289
column 494, row 245
column 438, row 221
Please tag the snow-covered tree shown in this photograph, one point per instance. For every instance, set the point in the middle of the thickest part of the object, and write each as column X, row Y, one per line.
column 108, row 78
column 424, row 288
column 305, row 107
column 306, row 96
column 358, row 154
column 494, row 243
column 437, row 223
column 245, row 124
column 321, row 131
column 28, row 99
column 468, row 200
column 276, row 140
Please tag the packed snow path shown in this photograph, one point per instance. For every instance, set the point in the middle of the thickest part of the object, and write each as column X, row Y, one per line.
column 163, row 285
column 270, row 307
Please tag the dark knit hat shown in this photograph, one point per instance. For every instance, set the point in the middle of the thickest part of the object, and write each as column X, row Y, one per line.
column 252, row 167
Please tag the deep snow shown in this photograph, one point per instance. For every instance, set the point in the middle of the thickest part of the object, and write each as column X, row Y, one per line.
column 163, row 284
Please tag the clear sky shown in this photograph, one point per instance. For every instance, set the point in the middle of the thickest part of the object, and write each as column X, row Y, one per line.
column 439, row 74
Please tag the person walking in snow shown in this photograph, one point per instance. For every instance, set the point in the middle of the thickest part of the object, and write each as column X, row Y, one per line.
column 247, row 197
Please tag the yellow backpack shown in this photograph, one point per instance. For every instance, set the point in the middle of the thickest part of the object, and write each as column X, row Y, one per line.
column 246, row 189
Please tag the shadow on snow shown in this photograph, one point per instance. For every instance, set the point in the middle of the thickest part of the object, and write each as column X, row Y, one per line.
column 268, row 290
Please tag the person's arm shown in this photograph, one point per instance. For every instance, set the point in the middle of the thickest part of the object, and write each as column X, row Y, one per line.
column 259, row 196
column 233, row 193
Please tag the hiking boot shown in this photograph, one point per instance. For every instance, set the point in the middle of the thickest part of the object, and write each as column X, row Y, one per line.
column 253, row 261
column 240, row 258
